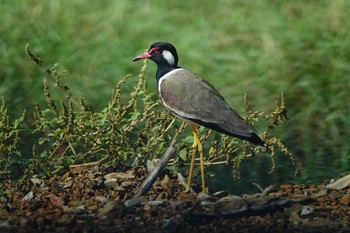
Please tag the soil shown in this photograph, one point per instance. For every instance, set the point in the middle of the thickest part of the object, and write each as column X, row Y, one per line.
column 99, row 198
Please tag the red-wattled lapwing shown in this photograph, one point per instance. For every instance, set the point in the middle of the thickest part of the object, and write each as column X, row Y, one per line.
column 196, row 101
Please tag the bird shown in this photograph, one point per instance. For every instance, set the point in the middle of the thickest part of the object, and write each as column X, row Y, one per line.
column 196, row 101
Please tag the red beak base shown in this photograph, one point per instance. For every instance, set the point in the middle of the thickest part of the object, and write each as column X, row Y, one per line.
column 142, row 56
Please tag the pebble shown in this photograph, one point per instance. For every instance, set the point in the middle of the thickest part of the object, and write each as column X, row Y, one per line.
column 156, row 203
column 150, row 165
column 92, row 208
column 101, row 199
column 119, row 175
column 79, row 209
column 65, row 219
column 286, row 186
column 317, row 208
column 132, row 202
column 321, row 193
column 29, row 196
column 23, row 221
column 36, row 181
column 111, row 183
column 345, row 200
column 230, row 198
column 335, row 195
column 4, row 224
column 306, row 210
column 294, row 218
column 126, row 184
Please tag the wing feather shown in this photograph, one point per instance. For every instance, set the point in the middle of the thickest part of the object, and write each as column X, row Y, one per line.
column 193, row 98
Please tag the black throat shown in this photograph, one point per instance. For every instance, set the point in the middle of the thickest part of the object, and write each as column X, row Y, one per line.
column 161, row 71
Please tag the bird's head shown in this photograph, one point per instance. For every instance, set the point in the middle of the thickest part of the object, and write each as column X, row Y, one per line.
column 162, row 53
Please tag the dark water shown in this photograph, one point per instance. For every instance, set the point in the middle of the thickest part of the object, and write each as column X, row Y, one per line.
column 256, row 170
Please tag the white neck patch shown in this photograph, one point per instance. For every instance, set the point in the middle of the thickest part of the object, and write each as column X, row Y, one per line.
column 168, row 57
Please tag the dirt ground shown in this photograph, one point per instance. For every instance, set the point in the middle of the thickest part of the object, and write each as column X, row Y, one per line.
column 99, row 199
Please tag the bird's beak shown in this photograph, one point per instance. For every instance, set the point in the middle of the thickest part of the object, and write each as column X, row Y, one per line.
column 142, row 56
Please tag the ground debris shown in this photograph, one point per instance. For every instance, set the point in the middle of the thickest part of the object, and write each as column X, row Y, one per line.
column 82, row 201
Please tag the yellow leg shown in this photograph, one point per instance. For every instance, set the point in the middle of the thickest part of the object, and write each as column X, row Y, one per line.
column 197, row 145
column 189, row 180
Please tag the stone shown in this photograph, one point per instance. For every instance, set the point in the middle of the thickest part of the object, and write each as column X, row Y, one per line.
column 119, row 175
column 29, row 196
column 345, row 200
column 340, row 183
column 321, row 193
column 111, row 183
column 306, row 210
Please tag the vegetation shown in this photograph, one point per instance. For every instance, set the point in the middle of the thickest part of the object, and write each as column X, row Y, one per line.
column 258, row 48
column 124, row 134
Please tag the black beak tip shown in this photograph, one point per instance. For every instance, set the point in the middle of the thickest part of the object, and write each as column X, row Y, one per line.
column 135, row 59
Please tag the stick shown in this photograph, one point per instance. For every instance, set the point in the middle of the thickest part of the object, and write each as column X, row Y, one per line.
column 183, row 182
column 148, row 182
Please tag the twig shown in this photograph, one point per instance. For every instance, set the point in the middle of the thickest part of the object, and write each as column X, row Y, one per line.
column 89, row 164
column 53, row 76
column 148, row 182
column 228, row 210
column 183, row 182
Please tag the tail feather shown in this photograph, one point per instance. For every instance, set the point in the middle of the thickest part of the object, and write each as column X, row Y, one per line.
column 252, row 138
column 256, row 140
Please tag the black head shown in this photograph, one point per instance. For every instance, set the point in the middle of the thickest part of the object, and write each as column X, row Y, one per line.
column 162, row 53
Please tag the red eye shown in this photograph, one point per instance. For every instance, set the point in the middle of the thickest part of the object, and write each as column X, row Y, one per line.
column 154, row 50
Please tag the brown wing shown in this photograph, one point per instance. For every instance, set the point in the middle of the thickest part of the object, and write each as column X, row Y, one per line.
column 193, row 98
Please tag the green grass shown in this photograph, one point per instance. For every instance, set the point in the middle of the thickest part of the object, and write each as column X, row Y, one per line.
column 254, row 47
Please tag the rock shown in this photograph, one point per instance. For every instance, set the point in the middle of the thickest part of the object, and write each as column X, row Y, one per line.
column 119, row 175
column 111, row 183
column 202, row 196
column 105, row 209
column 150, row 165
column 23, row 221
column 126, row 183
column 340, row 183
column 4, row 224
column 286, row 186
column 101, row 199
column 345, row 200
column 294, row 218
column 306, row 210
column 229, row 203
column 65, row 219
column 156, row 203
column 92, row 208
column 79, row 209
column 56, row 201
column 335, row 195
column 166, row 183
column 270, row 189
column 172, row 223
column 321, row 193
column 36, row 181
column 133, row 201
column 317, row 225
column 29, row 196
column 258, row 201
column 230, row 198
column 4, row 213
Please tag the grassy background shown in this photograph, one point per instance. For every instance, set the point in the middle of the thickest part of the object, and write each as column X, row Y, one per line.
column 255, row 47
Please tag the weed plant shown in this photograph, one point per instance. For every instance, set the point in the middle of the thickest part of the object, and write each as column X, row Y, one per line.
column 124, row 134
column 258, row 48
